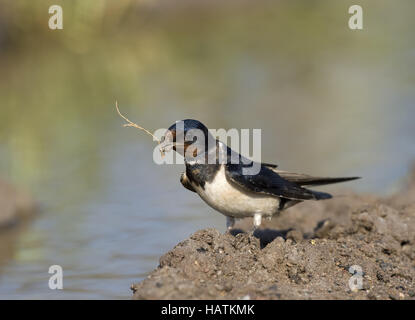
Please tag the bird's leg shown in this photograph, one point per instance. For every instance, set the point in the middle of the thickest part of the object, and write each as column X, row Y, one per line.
column 230, row 222
column 257, row 220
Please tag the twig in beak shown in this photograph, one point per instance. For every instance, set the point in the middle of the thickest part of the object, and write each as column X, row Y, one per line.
column 134, row 125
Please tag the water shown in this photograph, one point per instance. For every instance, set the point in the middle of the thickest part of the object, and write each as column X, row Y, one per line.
column 329, row 102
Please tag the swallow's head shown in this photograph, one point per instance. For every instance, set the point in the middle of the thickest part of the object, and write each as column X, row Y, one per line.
column 188, row 137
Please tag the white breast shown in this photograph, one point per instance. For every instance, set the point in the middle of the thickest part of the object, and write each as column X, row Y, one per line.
column 231, row 200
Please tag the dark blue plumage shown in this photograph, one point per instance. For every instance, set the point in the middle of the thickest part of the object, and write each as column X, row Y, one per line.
column 223, row 186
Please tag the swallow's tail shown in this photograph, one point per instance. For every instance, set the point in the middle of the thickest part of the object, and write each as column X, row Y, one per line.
column 321, row 195
column 306, row 180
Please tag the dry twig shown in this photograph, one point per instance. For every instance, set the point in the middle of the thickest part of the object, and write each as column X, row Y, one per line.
column 132, row 124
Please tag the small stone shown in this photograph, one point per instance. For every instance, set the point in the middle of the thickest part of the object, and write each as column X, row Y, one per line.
column 323, row 229
column 295, row 235
column 279, row 240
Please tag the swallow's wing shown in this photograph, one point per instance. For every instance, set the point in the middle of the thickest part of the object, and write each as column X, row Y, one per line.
column 307, row 180
column 269, row 182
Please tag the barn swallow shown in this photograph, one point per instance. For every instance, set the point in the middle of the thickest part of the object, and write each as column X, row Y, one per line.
column 224, row 187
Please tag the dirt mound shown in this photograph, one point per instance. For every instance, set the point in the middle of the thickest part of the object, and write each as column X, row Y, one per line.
column 351, row 247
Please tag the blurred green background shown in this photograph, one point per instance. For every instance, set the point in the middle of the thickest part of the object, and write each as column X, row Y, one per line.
column 329, row 101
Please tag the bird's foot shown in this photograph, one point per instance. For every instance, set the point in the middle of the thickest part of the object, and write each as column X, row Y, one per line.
column 257, row 220
column 230, row 222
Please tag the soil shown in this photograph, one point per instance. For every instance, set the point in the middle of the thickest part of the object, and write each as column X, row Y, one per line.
column 350, row 247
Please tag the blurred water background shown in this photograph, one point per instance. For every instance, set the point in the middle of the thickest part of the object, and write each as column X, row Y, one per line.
column 329, row 101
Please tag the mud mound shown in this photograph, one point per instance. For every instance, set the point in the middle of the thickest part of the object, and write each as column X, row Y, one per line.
column 354, row 247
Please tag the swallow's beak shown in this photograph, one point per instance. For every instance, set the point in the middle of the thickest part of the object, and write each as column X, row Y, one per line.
column 167, row 142
column 166, row 147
